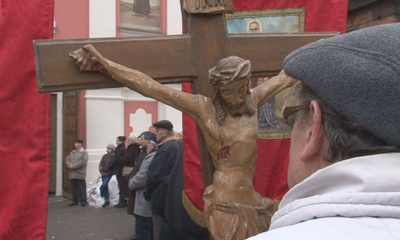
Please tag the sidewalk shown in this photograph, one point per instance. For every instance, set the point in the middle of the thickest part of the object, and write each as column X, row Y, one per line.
column 66, row 223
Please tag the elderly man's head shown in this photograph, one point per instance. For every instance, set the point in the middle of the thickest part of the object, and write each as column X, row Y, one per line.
column 230, row 81
column 164, row 130
column 349, row 99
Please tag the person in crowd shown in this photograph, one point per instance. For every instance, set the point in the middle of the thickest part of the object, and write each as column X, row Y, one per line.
column 160, row 168
column 127, row 162
column 344, row 162
column 106, row 173
column 164, row 186
column 145, row 137
column 140, row 142
column 131, row 198
column 178, row 136
column 76, row 163
column 116, row 167
column 142, row 211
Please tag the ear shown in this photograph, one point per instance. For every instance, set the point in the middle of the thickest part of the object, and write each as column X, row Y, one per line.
column 315, row 134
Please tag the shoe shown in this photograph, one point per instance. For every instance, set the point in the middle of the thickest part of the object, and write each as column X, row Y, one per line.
column 83, row 204
column 105, row 204
column 121, row 205
column 72, row 204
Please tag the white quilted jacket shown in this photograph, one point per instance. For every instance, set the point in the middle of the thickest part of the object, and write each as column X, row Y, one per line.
column 358, row 198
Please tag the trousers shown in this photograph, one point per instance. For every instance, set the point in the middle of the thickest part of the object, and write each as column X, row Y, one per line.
column 78, row 187
column 104, row 188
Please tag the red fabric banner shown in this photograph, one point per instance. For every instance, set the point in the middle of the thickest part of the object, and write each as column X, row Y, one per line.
column 24, row 122
column 270, row 178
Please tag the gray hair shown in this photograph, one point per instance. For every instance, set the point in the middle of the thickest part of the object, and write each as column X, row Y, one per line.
column 154, row 143
column 347, row 138
column 133, row 138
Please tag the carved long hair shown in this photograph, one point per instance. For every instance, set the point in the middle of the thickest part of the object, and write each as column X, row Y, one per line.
column 226, row 71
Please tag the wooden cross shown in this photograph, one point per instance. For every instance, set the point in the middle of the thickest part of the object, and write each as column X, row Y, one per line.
column 171, row 59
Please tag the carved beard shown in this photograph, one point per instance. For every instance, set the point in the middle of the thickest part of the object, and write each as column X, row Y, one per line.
column 240, row 109
column 222, row 110
column 237, row 110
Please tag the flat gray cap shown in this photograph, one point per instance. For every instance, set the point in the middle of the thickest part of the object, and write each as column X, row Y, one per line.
column 358, row 75
column 164, row 124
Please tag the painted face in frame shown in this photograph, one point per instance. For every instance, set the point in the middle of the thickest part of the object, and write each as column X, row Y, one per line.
column 254, row 27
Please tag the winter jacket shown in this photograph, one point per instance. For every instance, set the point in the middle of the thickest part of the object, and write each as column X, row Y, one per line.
column 103, row 169
column 160, row 168
column 116, row 167
column 130, row 155
column 138, row 183
column 76, row 162
column 165, row 187
column 140, row 158
column 358, row 198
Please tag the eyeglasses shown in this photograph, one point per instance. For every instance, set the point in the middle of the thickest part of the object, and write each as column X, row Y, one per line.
column 290, row 115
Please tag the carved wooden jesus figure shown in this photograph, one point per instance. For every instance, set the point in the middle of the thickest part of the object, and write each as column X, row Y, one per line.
column 228, row 120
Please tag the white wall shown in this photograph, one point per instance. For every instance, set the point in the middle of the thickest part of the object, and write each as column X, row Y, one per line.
column 104, row 122
column 102, row 18
column 174, row 22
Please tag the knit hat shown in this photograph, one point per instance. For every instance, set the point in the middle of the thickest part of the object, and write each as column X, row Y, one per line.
column 111, row 146
column 358, row 75
column 164, row 124
column 150, row 137
column 132, row 138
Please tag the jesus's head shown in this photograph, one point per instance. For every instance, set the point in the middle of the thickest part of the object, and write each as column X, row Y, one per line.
column 230, row 92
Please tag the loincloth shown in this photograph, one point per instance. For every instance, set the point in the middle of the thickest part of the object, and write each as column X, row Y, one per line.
column 227, row 220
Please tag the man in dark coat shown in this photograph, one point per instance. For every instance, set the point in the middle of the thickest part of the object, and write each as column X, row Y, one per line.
column 164, row 188
column 117, row 167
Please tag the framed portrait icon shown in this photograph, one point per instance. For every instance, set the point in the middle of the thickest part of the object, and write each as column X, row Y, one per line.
column 288, row 20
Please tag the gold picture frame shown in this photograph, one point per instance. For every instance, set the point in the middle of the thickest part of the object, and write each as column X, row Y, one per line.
column 271, row 20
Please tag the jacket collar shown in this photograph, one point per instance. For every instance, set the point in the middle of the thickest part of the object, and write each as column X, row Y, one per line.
column 357, row 187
